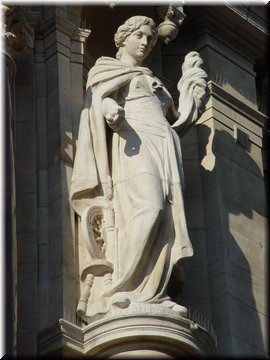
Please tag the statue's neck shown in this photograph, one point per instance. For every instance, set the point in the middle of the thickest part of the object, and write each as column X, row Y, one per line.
column 126, row 58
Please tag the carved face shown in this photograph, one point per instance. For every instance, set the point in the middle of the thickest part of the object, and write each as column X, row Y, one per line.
column 139, row 43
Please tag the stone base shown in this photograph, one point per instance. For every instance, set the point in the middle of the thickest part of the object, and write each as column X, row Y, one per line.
column 150, row 331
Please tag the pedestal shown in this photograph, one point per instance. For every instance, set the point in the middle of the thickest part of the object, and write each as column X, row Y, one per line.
column 138, row 330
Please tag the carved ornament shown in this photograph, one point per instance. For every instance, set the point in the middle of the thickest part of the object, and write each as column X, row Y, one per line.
column 168, row 29
column 17, row 34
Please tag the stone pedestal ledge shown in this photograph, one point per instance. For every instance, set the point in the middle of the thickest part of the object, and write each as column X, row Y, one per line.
column 152, row 328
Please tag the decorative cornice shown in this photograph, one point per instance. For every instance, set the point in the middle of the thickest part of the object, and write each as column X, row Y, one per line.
column 69, row 45
column 65, row 26
column 170, row 333
column 81, row 34
column 249, row 16
column 56, row 23
column 248, row 112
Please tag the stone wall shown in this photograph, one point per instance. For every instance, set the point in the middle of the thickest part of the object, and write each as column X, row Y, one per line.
column 225, row 189
column 49, row 97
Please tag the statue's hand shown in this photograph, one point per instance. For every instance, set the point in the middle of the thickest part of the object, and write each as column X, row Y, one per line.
column 113, row 113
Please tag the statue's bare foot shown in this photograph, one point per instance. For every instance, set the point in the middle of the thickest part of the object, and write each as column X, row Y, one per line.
column 120, row 301
column 182, row 310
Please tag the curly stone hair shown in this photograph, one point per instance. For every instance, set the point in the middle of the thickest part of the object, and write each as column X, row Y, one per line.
column 131, row 25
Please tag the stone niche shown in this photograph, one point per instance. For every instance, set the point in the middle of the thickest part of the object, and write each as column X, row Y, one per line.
column 135, row 322
column 49, row 82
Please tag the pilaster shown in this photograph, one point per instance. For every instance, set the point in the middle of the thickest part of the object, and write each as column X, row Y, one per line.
column 18, row 37
column 230, row 141
column 10, row 245
column 59, row 66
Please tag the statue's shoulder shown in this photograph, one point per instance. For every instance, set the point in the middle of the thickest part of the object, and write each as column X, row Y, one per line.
column 107, row 60
column 106, row 63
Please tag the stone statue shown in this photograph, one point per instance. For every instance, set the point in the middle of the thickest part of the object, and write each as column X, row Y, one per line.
column 128, row 178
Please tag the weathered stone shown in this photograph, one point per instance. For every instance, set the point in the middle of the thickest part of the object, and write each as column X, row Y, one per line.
column 26, row 212
column 27, row 342
column 40, row 80
column 64, row 72
column 43, row 188
column 192, row 178
column 27, row 181
column 194, row 212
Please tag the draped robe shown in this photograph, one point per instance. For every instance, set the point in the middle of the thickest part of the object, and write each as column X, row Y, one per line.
column 143, row 159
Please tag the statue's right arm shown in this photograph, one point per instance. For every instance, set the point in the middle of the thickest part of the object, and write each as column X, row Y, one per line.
column 113, row 113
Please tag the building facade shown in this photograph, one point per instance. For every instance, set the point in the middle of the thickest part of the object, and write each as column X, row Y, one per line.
column 48, row 53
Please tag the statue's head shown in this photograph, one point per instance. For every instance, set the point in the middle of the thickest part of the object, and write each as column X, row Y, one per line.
column 132, row 29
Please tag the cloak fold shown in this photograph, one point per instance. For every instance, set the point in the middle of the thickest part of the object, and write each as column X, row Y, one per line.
column 91, row 167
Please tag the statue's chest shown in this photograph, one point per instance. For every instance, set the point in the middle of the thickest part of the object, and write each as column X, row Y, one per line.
column 145, row 88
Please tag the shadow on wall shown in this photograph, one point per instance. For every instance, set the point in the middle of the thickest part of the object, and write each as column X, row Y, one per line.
column 237, row 85
column 234, row 204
